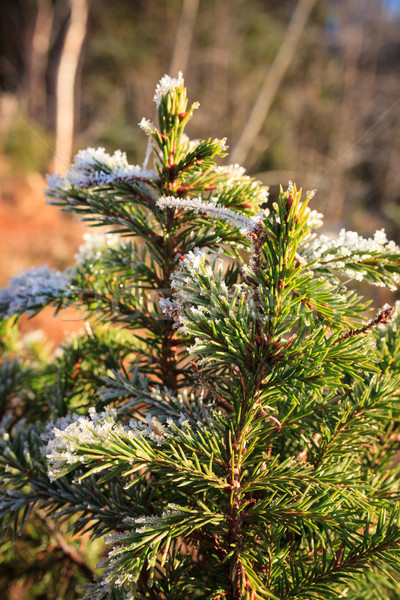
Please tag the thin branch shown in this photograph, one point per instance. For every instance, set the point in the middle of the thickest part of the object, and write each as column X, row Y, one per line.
column 66, row 78
column 184, row 35
column 209, row 387
column 70, row 551
column 38, row 56
column 382, row 319
column 352, row 33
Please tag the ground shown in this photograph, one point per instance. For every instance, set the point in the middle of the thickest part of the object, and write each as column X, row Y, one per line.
column 33, row 233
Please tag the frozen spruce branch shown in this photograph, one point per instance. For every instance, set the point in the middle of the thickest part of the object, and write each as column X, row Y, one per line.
column 356, row 257
column 167, row 85
column 211, row 207
column 33, row 289
column 94, row 167
column 149, row 128
column 196, row 262
column 348, row 243
column 69, row 439
column 117, row 175
column 94, row 245
column 315, row 219
column 236, row 177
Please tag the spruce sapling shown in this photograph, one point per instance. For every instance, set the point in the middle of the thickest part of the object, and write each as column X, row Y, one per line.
column 228, row 422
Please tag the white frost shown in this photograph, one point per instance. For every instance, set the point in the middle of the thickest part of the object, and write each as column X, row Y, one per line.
column 167, row 84
column 32, row 289
column 245, row 224
column 95, row 167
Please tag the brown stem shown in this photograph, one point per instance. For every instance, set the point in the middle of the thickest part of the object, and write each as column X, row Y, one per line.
column 383, row 318
column 209, row 387
column 70, row 551
column 168, row 358
column 259, row 238
column 238, row 581
column 234, row 525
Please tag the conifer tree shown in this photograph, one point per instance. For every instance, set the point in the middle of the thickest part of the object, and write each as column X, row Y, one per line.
column 229, row 421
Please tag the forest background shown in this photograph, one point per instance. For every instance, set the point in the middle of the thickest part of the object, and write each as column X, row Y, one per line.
column 304, row 90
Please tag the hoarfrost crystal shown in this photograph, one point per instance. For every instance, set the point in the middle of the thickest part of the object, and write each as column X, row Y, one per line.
column 94, row 244
column 70, row 439
column 167, row 84
column 211, row 207
column 352, row 254
column 95, row 167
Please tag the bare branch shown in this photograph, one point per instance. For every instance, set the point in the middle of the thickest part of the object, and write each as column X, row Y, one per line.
column 66, row 77
column 272, row 81
column 184, row 35
column 70, row 551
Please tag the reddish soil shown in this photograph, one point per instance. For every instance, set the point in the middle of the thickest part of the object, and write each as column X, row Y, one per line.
column 32, row 234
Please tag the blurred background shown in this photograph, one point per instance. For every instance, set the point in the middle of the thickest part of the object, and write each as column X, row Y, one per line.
column 307, row 90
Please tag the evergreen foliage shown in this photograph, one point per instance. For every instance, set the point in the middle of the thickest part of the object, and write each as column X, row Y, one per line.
column 229, row 421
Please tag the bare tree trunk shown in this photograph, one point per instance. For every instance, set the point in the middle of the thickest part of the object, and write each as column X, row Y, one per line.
column 391, row 180
column 38, row 59
column 352, row 38
column 66, row 77
column 221, row 57
column 184, row 35
column 272, row 81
